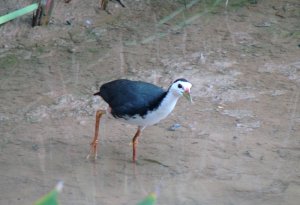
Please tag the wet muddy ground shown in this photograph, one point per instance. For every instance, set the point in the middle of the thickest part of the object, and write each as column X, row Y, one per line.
column 238, row 143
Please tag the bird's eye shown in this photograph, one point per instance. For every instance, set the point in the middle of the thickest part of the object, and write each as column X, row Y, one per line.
column 179, row 86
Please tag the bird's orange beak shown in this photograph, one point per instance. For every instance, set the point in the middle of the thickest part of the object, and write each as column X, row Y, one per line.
column 187, row 94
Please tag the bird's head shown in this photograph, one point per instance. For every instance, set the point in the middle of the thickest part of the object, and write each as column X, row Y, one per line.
column 181, row 87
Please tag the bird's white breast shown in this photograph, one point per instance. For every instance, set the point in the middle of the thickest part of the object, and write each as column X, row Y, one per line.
column 153, row 117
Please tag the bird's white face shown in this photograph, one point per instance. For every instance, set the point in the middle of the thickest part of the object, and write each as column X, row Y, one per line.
column 182, row 88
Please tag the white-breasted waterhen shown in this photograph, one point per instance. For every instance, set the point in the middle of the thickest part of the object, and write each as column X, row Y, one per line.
column 138, row 103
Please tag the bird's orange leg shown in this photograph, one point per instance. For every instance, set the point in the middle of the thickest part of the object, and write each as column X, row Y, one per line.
column 103, row 4
column 93, row 150
column 134, row 143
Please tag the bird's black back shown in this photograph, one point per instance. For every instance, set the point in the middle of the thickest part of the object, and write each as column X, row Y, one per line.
column 128, row 98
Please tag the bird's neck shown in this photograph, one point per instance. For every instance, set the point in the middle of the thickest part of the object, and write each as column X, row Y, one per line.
column 169, row 101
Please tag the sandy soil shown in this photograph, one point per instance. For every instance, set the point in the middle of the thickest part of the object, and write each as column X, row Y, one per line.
column 238, row 143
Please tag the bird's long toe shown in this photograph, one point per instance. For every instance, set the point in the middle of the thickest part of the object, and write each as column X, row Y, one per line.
column 93, row 151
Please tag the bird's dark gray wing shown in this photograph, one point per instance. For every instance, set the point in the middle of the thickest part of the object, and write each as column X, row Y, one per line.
column 128, row 98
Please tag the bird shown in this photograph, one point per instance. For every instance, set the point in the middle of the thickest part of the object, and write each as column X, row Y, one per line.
column 138, row 103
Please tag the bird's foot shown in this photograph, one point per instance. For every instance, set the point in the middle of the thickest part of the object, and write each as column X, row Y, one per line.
column 93, row 150
column 134, row 144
